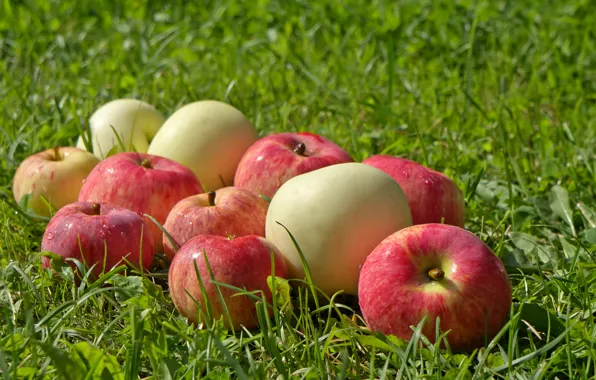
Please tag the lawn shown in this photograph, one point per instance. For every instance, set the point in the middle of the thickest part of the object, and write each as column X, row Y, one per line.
column 500, row 96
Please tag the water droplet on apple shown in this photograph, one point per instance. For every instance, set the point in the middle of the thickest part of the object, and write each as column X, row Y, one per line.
column 50, row 235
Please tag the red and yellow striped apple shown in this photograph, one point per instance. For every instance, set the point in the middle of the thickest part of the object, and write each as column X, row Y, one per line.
column 228, row 211
column 276, row 158
column 143, row 183
column 435, row 270
column 243, row 262
column 100, row 235
column 432, row 195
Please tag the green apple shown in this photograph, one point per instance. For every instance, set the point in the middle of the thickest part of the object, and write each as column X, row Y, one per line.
column 135, row 121
column 55, row 174
column 338, row 215
column 209, row 137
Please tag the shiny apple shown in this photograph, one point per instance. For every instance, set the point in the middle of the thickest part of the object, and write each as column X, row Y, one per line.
column 433, row 197
column 274, row 159
column 100, row 236
column 243, row 262
column 143, row 183
column 55, row 174
column 228, row 211
column 435, row 270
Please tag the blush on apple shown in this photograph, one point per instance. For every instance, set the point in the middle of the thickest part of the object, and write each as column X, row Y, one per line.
column 143, row 183
column 274, row 159
column 228, row 211
column 100, row 235
column 243, row 262
column 433, row 197
column 55, row 174
column 337, row 214
column 435, row 270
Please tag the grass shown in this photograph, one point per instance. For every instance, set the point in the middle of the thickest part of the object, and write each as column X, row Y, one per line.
column 498, row 95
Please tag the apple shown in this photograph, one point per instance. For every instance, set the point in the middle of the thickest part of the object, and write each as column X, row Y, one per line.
column 135, row 122
column 435, row 270
column 432, row 195
column 225, row 212
column 100, row 235
column 55, row 174
column 207, row 136
column 274, row 159
column 337, row 214
column 143, row 183
column 243, row 262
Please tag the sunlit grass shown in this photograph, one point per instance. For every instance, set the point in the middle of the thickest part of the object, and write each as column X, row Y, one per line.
column 500, row 96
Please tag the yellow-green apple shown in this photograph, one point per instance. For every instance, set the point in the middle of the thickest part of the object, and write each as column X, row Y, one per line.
column 435, row 270
column 228, row 211
column 55, row 174
column 433, row 197
column 141, row 182
column 99, row 235
column 242, row 262
column 337, row 214
column 134, row 121
column 207, row 136
column 276, row 158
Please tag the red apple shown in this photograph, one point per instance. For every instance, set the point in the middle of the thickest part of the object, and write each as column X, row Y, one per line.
column 229, row 211
column 431, row 195
column 274, row 159
column 243, row 262
column 435, row 270
column 99, row 234
column 143, row 183
column 56, row 174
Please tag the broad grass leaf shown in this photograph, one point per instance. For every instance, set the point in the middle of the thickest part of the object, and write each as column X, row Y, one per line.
column 96, row 362
column 67, row 367
column 590, row 235
column 523, row 241
column 541, row 319
column 559, row 203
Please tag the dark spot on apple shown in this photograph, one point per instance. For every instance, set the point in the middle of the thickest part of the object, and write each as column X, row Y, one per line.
column 300, row 149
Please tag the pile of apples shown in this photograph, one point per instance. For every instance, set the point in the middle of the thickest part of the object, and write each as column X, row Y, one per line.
column 387, row 230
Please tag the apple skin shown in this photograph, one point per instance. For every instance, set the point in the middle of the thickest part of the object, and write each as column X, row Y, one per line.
column 243, row 262
column 235, row 212
column 122, row 180
column 56, row 174
column 272, row 160
column 431, row 194
column 337, row 214
column 207, row 136
column 135, row 121
column 472, row 300
column 103, row 229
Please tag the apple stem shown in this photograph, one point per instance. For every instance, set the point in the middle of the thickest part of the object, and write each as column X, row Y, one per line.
column 436, row 274
column 300, row 149
column 57, row 156
column 211, row 198
column 146, row 163
column 96, row 208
